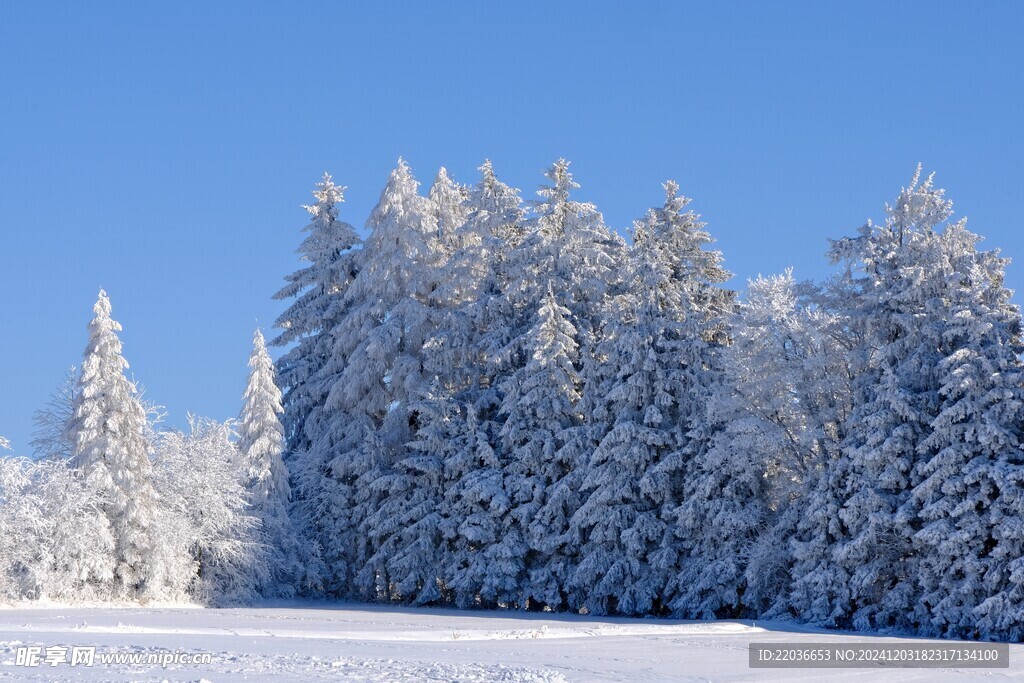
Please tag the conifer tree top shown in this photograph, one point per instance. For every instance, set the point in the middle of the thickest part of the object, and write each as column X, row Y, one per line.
column 920, row 205
column 102, row 320
column 103, row 340
column 401, row 185
column 327, row 195
column 262, row 396
column 563, row 183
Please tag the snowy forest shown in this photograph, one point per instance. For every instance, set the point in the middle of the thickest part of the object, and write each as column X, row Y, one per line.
column 489, row 402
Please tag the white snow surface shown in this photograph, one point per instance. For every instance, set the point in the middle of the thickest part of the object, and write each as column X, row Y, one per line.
column 306, row 641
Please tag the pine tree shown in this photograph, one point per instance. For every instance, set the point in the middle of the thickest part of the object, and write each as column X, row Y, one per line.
column 390, row 314
column 462, row 358
column 565, row 245
column 568, row 247
column 493, row 229
column 897, row 270
column 107, row 429
column 654, row 350
column 261, row 445
column 376, row 372
column 308, row 369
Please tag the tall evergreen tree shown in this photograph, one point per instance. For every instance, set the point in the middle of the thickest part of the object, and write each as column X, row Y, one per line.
column 569, row 247
column 261, row 445
column 462, row 358
column 655, row 350
column 376, row 372
column 566, row 248
column 306, row 371
column 107, row 428
column 895, row 400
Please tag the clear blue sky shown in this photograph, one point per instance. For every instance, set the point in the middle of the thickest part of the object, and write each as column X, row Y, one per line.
column 162, row 150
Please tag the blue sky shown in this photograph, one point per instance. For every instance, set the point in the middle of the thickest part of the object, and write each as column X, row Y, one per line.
column 162, row 150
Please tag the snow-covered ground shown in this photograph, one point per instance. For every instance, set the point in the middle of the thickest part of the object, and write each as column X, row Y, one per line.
column 324, row 641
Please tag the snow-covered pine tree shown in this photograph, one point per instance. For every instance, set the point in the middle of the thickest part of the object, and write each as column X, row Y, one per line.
column 389, row 311
column 893, row 272
column 108, row 429
column 494, row 229
column 261, row 445
column 307, row 369
column 567, row 246
column 376, row 372
column 461, row 358
column 491, row 288
column 653, row 351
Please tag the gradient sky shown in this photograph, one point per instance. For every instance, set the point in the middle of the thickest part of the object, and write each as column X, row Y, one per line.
column 162, row 150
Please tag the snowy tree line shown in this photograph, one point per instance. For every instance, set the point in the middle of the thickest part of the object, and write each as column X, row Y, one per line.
column 497, row 404
column 114, row 510
column 494, row 403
